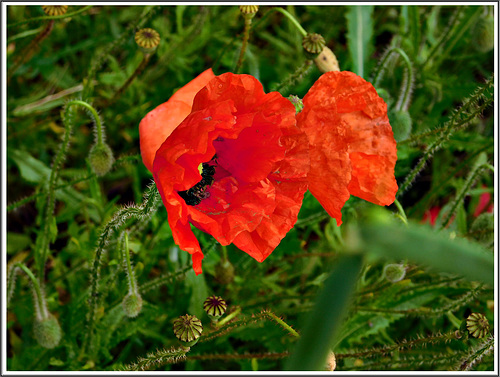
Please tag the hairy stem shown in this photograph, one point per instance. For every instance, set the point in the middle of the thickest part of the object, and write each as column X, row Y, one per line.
column 246, row 37
column 43, row 18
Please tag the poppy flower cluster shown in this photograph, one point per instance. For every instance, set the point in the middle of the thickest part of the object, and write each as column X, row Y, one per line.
column 235, row 162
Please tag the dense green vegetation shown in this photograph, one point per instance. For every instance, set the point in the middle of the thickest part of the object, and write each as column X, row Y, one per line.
column 69, row 230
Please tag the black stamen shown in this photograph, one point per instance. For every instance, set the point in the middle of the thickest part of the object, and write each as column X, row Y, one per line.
column 195, row 194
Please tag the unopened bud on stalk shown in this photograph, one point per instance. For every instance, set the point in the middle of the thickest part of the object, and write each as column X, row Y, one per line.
column 55, row 10
column 394, row 272
column 132, row 304
column 188, row 329
column 147, row 39
column 47, row 331
column 101, row 158
column 401, row 124
column 326, row 61
column 297, row 102
column 224, row 272
column 313, row 44
column 249, row 11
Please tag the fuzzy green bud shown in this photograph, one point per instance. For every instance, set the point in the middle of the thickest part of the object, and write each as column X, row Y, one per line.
column 147, row 39
column 483, row 227
column 215, row 307
column 101, row 158
column 401, row 124
column 483, row 33
column 132, row 304
column 188, row 329
column 478, row 325
column 249, row 11
column 297, row 102
column 224, row 272
column 313, row 45
column 394, row 272
column 55, row 10
column 47, row 331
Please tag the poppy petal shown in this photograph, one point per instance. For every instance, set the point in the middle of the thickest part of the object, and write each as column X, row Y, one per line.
column 159, row 123
column 352, row 146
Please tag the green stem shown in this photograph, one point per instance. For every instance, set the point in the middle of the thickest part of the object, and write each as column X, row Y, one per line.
column 71, row 14
column 128, row 266
column 298, row 75
column 41, row 305
column 158, row 358
column 136, row 73
column 292, row 19
column 229, row 317
column 282, row 323
column 246, row 37
column 95, row 115
column 401, row 211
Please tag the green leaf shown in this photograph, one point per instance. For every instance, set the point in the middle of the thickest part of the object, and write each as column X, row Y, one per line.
column 199, row 293
column 359, row 36
column 325, row 320
column 418, row 243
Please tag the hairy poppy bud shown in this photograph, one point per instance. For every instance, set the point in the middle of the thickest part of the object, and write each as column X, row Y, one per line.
column 313, row 44
column 482, row 228
column 401, row 124
column 394, row 272
column 249, row 11
column 132, row 304
column 55, row 10
column 326, row 61
column 224, row 272
column 147, row 39
column 478, row 325
column 101, row 158
column 297, row 102
column 483, row 33
column 215, row 306
column 47, row 331
column 188, row 329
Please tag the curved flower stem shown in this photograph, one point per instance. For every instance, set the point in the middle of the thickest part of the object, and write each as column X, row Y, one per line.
column 95, row 115
column 246, row 37
column 282, row 323
column 402, row 214
column 40, row 303
column 291, row 18
column 229, row 317
column 132, row 283
column 71, row 14
column 139, row 69
column 27, row 54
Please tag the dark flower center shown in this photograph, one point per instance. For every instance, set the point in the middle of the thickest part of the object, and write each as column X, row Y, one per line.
column 198, row 192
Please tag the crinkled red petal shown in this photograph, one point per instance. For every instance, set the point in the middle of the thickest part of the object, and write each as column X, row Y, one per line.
column 352, row 146
column 159, row 123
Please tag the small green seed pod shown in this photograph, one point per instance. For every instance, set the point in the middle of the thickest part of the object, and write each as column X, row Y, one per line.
column 188, row 329
column 147, row 39
column 313, row 45
column 478, row 325
column 326, row 61
column 215, row 307
column 55, row 10
column 132, row 304
column 394, row 272
column 297, row 102
column 47, row 331
column 249, row 11
column 101, row 158
column 401, row 124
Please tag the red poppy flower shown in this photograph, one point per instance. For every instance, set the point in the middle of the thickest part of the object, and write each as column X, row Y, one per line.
column 352, row 147
column 235, row 167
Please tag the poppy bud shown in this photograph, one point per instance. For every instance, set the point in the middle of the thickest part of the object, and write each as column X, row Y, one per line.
column 188, row 329
column 101, row 158
column 55, row 10
column 478, row 325
column 249, row 11
column 224, row 272
column 331, row 362
column 482, row 228
column 326, row 61
column 297, row 102
column 215, row 306
column 313, row 44
column 394, row 272
column 484, row 33
column 401, row 124
column 47, row 331
column 132, row 304
column 147, row 39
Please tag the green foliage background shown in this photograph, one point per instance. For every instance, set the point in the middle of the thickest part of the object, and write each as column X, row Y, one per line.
column 439, row 92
